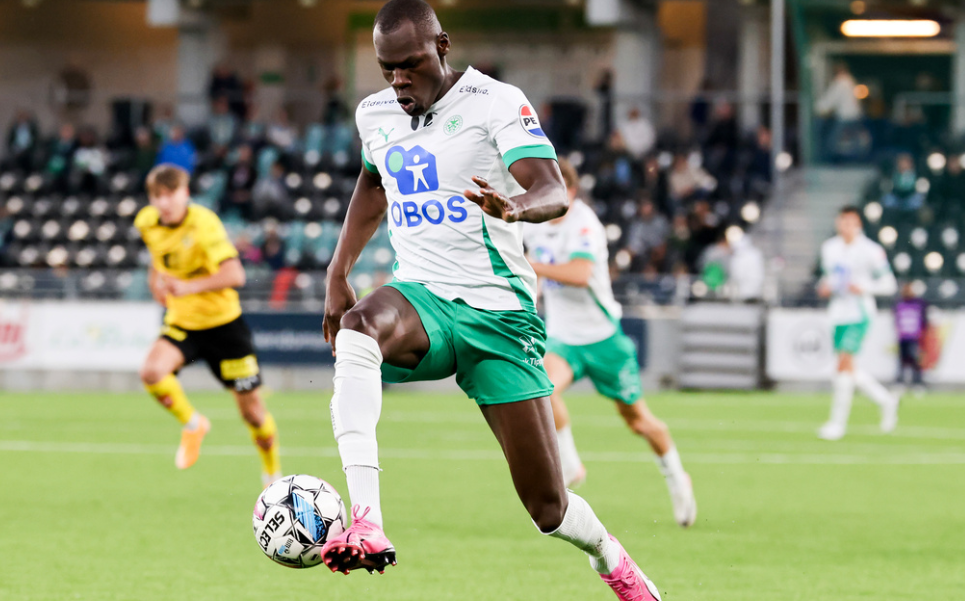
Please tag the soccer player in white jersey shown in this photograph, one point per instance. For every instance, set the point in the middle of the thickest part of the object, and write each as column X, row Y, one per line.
column 584, row 338
column 854, row 270
column 456, row 160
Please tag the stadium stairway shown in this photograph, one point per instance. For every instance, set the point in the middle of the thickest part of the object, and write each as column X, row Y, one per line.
column 812, row 198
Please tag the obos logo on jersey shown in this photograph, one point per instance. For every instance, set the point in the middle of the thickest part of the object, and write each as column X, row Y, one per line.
column 414, row 170
column 530, row 122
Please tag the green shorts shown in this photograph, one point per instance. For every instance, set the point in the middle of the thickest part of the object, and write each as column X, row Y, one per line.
column 497, row 356
column 848, row 337
column 611, row 364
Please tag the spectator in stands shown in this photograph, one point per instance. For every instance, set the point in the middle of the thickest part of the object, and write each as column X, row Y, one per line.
column 759, row 170
column 178, row 150
column 747, row 270
column 904, row 195
column 704, row 230
column 270, row 196
column 163, row 124
column 720, row 148
column 679, row 245
column 273, row 248
column 840, row 106
column 619, row 175
column 23, row 140
column 144, row 155
column 60, row 156
column 248, row 252
column 222, row 127
column 225, row 84
column 638, row 134
column 647, row 238
column 281, row 133
column 656, row 185
column 700, row 111
column 604, row 89
column 89, row 161
column 688, row 181
column 241, row 181
column 336, row 111
column 951, row 189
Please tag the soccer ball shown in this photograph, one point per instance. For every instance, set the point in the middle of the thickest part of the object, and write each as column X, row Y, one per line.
column 294, row 517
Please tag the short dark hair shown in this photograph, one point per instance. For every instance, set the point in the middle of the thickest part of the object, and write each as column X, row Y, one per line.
column 396, row 12
column 846, row 209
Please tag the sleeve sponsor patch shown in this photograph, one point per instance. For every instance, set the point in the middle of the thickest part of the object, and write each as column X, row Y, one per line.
column 530, row 122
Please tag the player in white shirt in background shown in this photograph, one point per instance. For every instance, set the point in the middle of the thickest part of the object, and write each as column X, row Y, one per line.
column 855, row 270
column 584, row 336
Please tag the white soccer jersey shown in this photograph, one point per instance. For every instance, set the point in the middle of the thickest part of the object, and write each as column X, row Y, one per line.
column 576, row 315
column 863, row 263
column 441, row 239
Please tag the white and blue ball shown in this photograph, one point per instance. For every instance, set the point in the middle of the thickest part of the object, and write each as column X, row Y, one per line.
column 294, row 517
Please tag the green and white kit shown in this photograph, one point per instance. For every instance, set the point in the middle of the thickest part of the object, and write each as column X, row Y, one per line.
column 583, row 323
column 864, row 264
column 446, row 246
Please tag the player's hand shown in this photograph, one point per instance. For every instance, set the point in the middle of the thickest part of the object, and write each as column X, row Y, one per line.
column 492, row 202
column 339, row 298
column 824, row 289
column 176, row 287
column 159, row 290
column 855, row 289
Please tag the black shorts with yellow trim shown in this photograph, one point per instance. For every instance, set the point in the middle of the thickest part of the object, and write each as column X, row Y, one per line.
column 227, row 349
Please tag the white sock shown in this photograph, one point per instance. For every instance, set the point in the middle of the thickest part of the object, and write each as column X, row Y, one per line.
column 193, row 422
column 356, row 406
column 872, row 388
column 582, row 529
column 843, row 391
column 569, row 458
column 363, row 489
column 670, row 465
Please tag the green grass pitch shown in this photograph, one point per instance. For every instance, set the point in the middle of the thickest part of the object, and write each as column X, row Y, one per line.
column 93, row 508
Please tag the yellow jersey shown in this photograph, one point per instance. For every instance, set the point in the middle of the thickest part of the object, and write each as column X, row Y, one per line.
column 194, row 248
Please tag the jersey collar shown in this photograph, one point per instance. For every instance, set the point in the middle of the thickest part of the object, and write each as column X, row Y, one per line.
column 440, row 104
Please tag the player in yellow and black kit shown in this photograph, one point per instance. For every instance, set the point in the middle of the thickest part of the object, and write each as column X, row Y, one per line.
column 194, row 272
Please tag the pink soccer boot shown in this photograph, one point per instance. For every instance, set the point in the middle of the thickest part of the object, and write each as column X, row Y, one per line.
column 363, row 545
column 628, row 581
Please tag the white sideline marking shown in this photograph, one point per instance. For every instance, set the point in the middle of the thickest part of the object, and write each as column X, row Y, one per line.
column 494, row 455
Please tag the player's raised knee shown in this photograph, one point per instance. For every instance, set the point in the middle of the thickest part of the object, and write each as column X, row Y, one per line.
column 358, row 321
column 151, row 374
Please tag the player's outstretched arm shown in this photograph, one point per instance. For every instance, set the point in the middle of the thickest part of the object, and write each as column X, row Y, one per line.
column 573, row 273
column 230, row 274
column 365, row 213
column 545, row 197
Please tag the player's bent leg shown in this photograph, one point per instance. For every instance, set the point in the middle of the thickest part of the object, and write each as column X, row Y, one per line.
column 157, row 374
column 561, row 375
column 525, row 433
column 644, row 423
column 264, row 432
column 384, row 326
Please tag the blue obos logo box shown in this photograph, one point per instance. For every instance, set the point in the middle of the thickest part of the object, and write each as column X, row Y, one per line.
column 414, row 170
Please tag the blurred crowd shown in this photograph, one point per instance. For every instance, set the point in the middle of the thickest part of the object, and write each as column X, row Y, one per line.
column 667, row 201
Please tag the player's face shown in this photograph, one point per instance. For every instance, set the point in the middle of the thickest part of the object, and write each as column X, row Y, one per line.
column 849, row 226
column 413, row 64
column 171, row 204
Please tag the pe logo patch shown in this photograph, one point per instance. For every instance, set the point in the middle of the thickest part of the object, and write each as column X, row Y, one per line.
column 530, row 122
column 414, row 170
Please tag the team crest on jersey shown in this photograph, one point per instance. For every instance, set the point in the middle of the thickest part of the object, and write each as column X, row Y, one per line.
column 414, row 170
column 530, row 122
